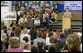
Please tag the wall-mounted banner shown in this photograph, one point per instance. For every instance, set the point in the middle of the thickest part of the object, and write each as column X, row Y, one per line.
column 73, row 5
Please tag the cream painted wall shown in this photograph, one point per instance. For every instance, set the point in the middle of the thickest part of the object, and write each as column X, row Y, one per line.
column 4, row 10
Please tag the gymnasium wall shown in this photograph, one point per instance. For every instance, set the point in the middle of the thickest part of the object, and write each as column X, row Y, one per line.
column 77, row 14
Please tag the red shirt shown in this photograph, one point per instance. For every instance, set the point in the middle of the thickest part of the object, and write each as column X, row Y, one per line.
column 44, row 36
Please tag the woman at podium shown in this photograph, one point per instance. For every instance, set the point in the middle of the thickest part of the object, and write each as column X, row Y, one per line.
column 66, row 20
column 67, row 13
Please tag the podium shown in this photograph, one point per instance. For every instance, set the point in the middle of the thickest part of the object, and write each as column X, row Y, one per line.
column 66, row 23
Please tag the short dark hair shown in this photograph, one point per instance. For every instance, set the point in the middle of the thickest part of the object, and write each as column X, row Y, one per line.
column 54, row 30
column 40, row 44
column 55, row 40
column 5, row 30
column 39, row 34
column 25, row 39
column 81, row 39
column 12, row 33
column 50, row 34
column 62, row 35
column 34, row 49
column 66, row 8
column 51, row 48
column 2, row 45
column 69, row 31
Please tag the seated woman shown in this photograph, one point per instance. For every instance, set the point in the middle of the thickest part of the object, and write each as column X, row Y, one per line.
column 37, row 22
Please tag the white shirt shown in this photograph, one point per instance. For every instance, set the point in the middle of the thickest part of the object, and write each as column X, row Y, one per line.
column 23, row 35
column 80, row 34
column 36, row 22
column 19, row 13
column 26, row 50
column 47, row 15
column 38, row 40
column 19, row 21
column 47, row 41
column 81, row 47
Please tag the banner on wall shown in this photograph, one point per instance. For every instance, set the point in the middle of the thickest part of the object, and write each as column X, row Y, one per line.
column 73, row 5
column 42, row 4
column 4, row 3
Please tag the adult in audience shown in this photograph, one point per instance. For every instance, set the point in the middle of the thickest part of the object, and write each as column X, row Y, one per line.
column 51, row 40
column 39, row 39
column 62, row 41
column 33, row 33
column 44, row 19
column 57, row 46
column 48, row 39
column 14, row 45
column 13, row 24
column 65, row 48
column 25, row 33
column 18, row 32
column 44, row 34
column 37, row 22
column 66, row 33
column 34, row 49
column 51, row 48
column 9, row 31
column 25, row 38
column 73, row 42
column 40, row 47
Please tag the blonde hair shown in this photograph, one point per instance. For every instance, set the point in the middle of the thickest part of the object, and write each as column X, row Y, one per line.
column 26, row 46
column 25, row 30
column 52, row 39
column 14, row 42
column 73, row 41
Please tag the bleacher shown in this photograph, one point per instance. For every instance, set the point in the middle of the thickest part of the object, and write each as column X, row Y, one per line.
column 75, row 25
